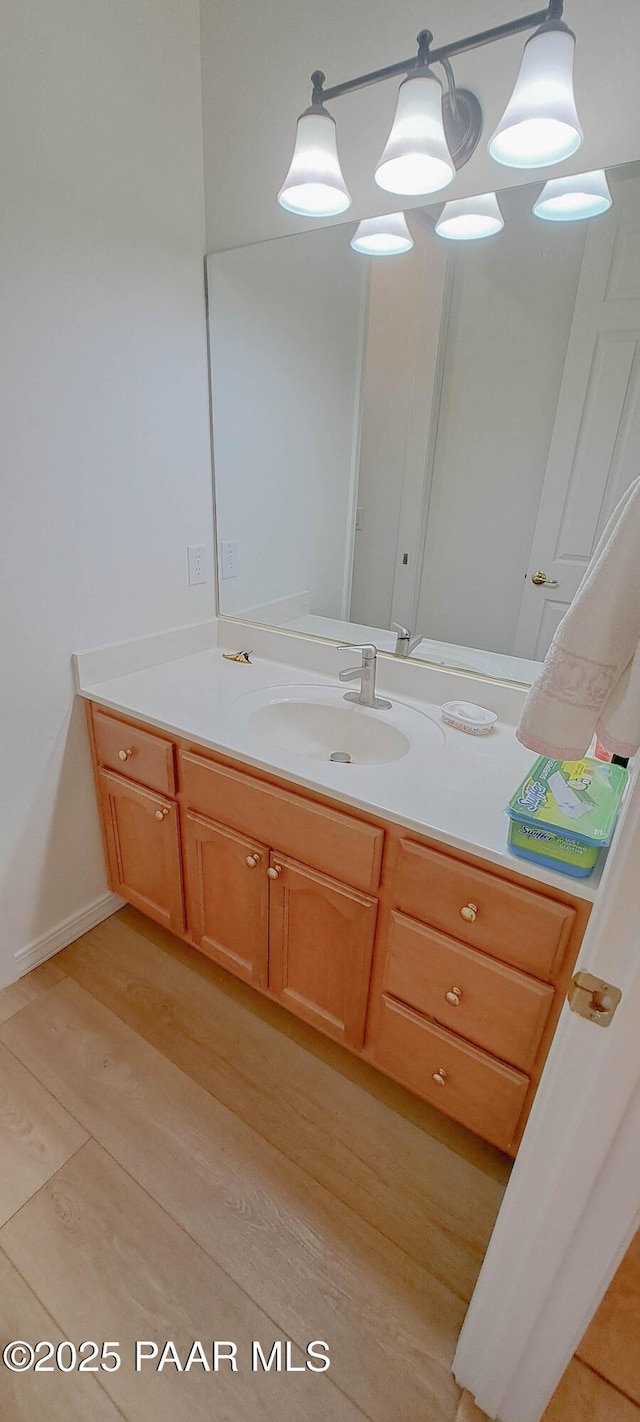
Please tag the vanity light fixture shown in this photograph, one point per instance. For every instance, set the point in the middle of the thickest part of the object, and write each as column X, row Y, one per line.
column 540, row 124
column 314, row 185
column 435, row 132
column 571, row 199
column 468, row 219
column 416, row 158
column 382, row 236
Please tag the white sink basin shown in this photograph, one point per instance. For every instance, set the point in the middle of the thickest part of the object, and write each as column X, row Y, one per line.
column 317, row 723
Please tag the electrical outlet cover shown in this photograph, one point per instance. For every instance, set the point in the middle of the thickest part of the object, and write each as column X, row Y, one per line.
column 197, row 563
column 229, row 558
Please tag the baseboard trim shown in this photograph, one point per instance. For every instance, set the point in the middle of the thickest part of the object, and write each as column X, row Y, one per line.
column 72, row 928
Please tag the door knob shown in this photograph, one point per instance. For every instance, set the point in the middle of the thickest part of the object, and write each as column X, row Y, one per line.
column 469, row 912
column 440, row 1077
column 453, row 996
column 124, row 754
column 274, row 871
column 162, row 814
column 541, row 580
column 252, row 859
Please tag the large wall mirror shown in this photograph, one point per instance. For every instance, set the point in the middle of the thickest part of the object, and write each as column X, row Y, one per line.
column 422, row 450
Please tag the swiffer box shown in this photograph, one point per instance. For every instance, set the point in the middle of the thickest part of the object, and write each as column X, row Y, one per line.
column 565, row 812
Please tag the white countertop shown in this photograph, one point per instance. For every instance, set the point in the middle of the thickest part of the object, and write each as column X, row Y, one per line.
column 453, row 788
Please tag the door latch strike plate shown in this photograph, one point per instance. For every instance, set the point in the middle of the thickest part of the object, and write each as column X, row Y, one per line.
column 592, row 998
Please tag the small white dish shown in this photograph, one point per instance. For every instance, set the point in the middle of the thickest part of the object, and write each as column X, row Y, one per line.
column 466, row 716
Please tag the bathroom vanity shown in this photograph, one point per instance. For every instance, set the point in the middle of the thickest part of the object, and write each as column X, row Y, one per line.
column 441, row 966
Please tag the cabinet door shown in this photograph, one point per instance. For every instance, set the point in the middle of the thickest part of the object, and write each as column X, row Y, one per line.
column 320, row 948
column 143, row 849
column 227, row 896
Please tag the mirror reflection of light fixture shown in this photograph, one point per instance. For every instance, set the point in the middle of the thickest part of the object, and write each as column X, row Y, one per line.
column 540, row 124
column 468, row 219
column 435, row 134
column 416, row 159
column 382, row 236
column 314, row 185
column 572, row 199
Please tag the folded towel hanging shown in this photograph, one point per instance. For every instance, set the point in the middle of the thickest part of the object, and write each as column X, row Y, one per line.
column 590, row 679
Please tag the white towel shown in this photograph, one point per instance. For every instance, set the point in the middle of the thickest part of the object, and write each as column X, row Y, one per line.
column 590, row 680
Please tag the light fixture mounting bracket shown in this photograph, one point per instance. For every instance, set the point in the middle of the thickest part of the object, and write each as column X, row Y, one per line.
column 462, row 122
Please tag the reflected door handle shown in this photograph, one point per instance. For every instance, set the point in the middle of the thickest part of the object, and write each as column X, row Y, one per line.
column 542, row 581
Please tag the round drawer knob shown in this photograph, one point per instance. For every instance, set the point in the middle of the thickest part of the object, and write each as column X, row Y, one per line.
column 251, row 860
column 274, row 871
column 453, row 996
column 469, row 912
column 440, row 1077
column 124, row 754
column 162, row 814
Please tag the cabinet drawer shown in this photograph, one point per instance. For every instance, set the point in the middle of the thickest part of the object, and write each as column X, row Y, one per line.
column 500, row 918
column 345, row 848
column 136, row 754
column 483, row 1094
column 488, row 1003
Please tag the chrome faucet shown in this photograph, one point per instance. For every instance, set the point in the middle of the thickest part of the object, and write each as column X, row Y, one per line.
column 405, row 643
column 366, row 696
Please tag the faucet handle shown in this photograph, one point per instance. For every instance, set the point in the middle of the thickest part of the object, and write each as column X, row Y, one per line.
column 402, row 631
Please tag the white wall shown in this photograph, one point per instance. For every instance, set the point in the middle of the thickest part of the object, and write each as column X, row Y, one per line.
column 286, row 339
column 104, row 420
column 257, row 59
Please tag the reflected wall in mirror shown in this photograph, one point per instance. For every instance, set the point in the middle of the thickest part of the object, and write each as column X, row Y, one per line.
column 422, row 450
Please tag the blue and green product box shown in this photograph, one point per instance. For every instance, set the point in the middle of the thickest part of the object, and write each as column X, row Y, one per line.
column 565, row 813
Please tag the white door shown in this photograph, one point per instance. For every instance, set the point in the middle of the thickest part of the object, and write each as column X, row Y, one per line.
column 595, row 446
column 572, row 1204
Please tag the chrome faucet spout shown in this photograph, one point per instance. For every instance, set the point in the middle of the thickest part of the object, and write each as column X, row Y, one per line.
column 366, row 673
column 405, row 641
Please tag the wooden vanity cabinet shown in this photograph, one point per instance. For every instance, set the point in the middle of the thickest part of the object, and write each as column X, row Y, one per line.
column 444, row 971
column 143, row 848
column 471, row 970
column 283, row 909
column 320, row 949
column 227, row 897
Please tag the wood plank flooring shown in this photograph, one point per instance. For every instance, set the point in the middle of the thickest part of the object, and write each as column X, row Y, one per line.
column 185, row 1162
column 611, row 1344
column 582, row 1396
column 27, row 989
column 602, row 1382
column 36, row 1135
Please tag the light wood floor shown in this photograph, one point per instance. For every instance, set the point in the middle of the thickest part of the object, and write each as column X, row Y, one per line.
column 602, row 1382
column 182, row 1160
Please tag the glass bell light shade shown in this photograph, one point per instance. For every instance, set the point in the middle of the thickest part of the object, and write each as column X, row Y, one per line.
column 314, row 185
column 382, row 236
column 570, row 199
column 540, row 124
column 416, row 159
column 467, row 219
